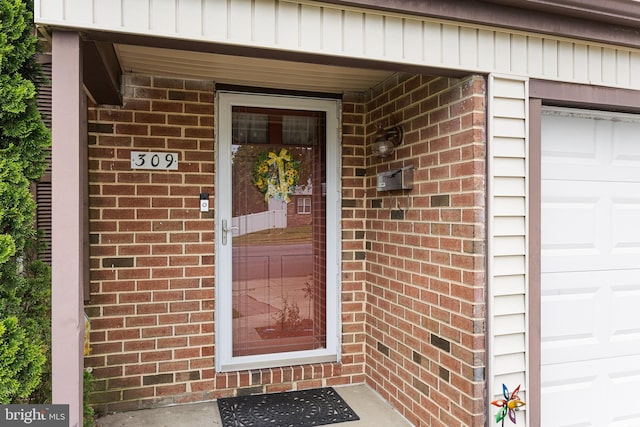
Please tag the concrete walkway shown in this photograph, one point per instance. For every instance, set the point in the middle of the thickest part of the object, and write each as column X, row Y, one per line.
column 370, row 407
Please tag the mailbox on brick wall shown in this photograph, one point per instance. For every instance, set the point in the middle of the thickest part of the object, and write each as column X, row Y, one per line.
column 395, row 179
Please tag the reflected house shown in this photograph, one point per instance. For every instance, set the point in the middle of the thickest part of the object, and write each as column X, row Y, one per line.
column 519, row 121
column 279, row 214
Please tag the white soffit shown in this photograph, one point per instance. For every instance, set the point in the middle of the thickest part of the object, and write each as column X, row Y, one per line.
column 246, row 71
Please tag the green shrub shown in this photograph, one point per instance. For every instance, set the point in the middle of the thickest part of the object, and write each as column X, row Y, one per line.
column 25, row 330
column 88, row 415
column 21, row 361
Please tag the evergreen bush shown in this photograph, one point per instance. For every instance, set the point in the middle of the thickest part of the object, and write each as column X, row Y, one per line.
column 25, row 282
column 21, row 362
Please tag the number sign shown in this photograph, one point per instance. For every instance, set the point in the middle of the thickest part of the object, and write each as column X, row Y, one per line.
column 154, row 160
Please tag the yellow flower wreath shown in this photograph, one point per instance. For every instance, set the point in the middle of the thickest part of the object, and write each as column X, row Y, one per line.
column 276, row 174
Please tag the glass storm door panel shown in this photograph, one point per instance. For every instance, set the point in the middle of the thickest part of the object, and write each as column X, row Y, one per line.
column 273, row 288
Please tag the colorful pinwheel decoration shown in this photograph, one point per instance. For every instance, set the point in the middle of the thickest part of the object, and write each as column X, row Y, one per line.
column 509, row 405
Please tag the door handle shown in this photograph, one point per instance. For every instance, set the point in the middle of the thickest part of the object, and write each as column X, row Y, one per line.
column 226, row 230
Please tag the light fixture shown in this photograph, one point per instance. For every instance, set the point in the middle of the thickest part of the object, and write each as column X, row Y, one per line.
column 386, row 140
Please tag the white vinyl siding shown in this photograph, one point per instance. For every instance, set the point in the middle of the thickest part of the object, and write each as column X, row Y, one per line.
column 325, row 29
column 507, row 223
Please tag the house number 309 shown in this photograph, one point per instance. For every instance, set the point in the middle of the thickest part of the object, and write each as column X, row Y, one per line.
column 154, row 160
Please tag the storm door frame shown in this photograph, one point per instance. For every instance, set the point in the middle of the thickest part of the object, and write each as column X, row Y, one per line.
column 224, row 359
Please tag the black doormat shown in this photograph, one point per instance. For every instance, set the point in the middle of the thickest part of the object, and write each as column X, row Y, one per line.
column 315, row 407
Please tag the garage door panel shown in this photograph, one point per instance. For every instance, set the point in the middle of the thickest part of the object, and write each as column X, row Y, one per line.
column 591, row 393
column 558, row 411
column 625, row 147
column 626, row 212
column 559, row 147
column 590, row 226
column 560, row 332
column 575, row 151
column 625, row 307
column 570, row 225
column 589, row 315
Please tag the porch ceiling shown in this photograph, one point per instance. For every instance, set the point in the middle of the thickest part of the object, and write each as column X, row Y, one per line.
column 246, row 71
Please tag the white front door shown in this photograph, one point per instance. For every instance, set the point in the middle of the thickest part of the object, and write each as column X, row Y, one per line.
column 277, row 217
column 590, row 282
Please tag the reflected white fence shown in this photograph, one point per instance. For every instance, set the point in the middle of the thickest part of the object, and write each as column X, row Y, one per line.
column 259, row 221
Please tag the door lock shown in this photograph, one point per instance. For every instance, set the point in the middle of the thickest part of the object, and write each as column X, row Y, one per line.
column 226, row 230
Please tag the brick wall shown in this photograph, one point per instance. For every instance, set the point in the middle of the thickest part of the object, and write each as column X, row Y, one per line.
column 152, row 294
column 152, row 258
column 353, row 235
column 425, row 263
column 413, row 264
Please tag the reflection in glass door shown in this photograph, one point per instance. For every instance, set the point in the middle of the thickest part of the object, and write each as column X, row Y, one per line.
column 278, row 295
column 277, row 229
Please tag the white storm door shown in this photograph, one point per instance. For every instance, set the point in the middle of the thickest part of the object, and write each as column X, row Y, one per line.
column 590, row 281
column 277, row 218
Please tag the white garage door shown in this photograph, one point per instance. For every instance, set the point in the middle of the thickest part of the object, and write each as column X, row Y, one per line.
column 590, row 286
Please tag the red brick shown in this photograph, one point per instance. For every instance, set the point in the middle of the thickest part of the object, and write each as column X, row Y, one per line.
column 152, row 214
column 136, row 297
column 105, row 348
column 167, row 202
column 184, row 237
column 172, row 342
column 144, row 117
column 134, row 226
column 123, row 334
column 118, row 286
column 152, row 285
column 118, row 189
column 198, row 271
column 138, row 393
column 186, row 329
column 168, row 225
column 167, row 390
column 166, row 131
column 173, row 366
column 139, row 345
column 184, row 306
column 151, row 190
column 173, row 318
column 125, row 250
column 107, row 323
column 159, row 273
column 131, row 129
column 187, row 353
column 167, row 106
column 150, row 237
column 124, row 382
column 183, row 260
column 174, row 119
column 118, row 310
column 149, row 142
column 156, row 356
column 141, row 321
column 161, row 331
column 136, row 273
column 157, row 261
column 184, row 283
column 200, row 294
column 153, row 308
